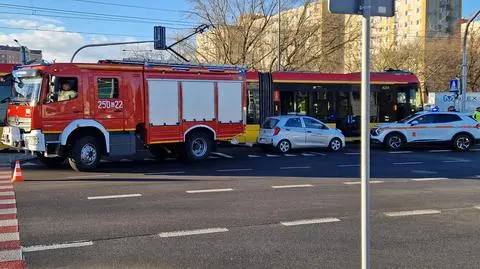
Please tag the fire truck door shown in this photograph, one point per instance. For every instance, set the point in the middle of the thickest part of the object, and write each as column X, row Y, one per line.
column 109, row 102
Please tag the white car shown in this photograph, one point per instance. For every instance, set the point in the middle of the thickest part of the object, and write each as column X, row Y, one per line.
column 459, row 129
column 294, row 132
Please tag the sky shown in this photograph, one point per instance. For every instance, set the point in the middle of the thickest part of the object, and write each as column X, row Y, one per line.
column 59, row 27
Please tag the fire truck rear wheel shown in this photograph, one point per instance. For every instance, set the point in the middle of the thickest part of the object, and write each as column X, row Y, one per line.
column 85, row 155
column 198, row 146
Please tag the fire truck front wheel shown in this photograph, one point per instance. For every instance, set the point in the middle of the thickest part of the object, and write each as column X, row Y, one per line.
column 198, row 146
column 85, row 155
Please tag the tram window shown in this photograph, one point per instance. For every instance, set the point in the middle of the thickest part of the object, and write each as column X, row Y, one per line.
column 322, row 106
column 401, row 97
column 253, row 110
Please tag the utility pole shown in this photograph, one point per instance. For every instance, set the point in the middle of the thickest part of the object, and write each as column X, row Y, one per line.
column 365, row 136
column 279, row 39
column 464, row 64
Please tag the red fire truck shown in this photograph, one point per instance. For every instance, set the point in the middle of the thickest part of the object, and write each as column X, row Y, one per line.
column 82, row 112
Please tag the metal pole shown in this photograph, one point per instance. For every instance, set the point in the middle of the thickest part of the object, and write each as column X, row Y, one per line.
column 107, row 44
column 365, row 136
column 279, row 40
column 464, row 64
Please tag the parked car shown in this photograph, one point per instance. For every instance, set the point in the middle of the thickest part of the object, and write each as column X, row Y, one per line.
column 458, row 129
column 285, row 133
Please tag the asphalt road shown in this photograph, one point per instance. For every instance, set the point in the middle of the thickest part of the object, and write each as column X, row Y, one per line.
column 247, row 209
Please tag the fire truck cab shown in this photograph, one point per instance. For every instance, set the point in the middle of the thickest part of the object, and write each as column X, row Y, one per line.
column 81, row 112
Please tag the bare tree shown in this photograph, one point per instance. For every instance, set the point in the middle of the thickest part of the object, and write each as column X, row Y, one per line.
column 473, row 59
column 246, row 33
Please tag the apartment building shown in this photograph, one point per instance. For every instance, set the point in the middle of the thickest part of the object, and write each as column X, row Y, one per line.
column 11, row 55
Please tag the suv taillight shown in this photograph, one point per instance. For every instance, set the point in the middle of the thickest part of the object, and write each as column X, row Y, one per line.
column 276, row 131
column 477, row 126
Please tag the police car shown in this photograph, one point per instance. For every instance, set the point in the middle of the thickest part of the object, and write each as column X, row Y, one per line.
column 458, row 129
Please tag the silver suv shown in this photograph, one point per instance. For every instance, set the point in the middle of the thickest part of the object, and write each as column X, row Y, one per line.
column 294, row 132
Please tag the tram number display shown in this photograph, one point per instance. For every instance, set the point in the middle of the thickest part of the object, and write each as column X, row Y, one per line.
column 106, row 104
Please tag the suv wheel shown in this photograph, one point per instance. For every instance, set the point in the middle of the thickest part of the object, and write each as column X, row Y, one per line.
column 462, row 142
column 394, row 141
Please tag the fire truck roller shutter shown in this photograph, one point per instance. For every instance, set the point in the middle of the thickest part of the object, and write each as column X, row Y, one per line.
column 230, row 108
column 77, row 124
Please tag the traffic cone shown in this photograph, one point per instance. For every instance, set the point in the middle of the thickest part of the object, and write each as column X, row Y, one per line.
column 17, row 173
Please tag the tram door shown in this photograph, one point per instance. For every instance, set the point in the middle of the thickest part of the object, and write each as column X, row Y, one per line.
column 386, row 106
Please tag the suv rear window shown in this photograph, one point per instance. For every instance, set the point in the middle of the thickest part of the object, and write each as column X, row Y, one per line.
column 270, row 123
column 443, row 118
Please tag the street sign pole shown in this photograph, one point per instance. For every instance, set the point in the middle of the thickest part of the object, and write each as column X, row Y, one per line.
column 365, row 136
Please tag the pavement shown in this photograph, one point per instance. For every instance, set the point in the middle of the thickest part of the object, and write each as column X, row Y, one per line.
column 244, row 208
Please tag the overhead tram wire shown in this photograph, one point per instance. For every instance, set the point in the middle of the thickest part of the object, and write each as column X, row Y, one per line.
column 133, row 6
column 71, row 32
column 102, row 15
column 180, row 26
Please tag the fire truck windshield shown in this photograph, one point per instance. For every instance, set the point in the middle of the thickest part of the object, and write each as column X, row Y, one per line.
column 27, row 89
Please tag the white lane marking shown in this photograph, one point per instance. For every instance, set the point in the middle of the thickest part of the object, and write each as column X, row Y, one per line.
column 359, row 182
column 235, row 170
column 90, row 176
column 114, row 196
column 9, row 237
column 253, row 156
column 424, row 172
column 6, row 188
column 292, row 186
column 400, row 152
column 456, row 161
column 126, row 160
column 272, row 156
column 352, row 153
column 11, row 255
column 318, row 153
column 429, row 179
column 8, row 222
column 7, row 202
column 57, row 246
column 289, row 155
column 477, row 207
column 8, row 211
column 310, row 221
column 6, row 193
column 213, row 157
column 209, row 190
column 307, row 154
column 193, row 232
column 413, row 213
column 294, row 167
column 408, row 163
column 440, row 150
column 168, row 173
column 348, row 165
column 223, row 155
column 475, row 150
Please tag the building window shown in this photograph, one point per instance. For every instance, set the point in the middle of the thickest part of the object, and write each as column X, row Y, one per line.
column 418, row 10
column 418, row 22
column 107, row 88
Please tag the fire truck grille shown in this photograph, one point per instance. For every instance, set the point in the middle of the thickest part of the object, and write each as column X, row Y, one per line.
column 22, row 123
